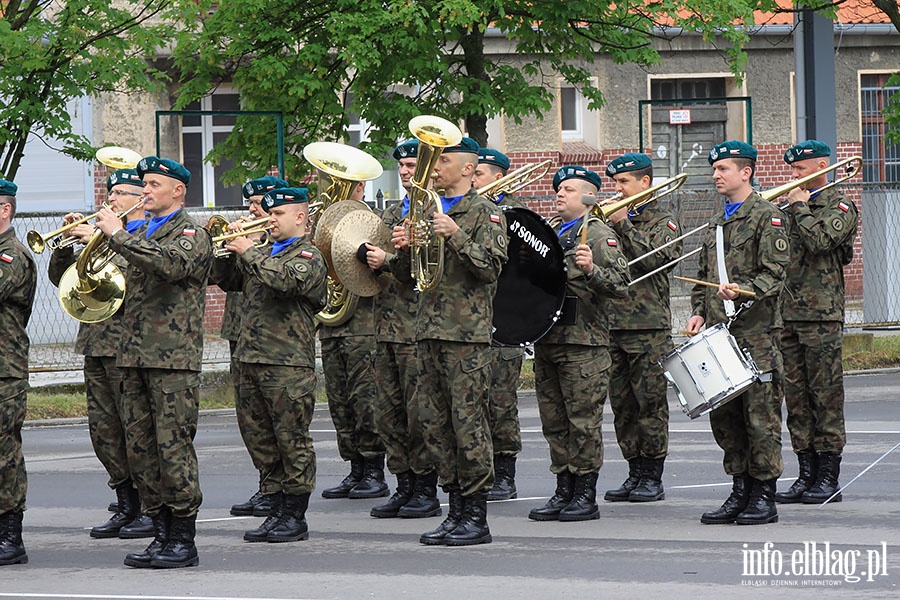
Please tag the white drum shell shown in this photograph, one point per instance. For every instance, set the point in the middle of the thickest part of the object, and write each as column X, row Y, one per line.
column 708, row 370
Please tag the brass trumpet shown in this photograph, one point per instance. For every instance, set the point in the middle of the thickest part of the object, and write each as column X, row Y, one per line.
column 515, row 181
column 217, row 227
column 54, row 240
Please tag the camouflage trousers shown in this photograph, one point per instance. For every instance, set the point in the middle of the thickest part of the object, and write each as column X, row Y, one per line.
column 571, row 382
column 349, row 366
column 748, row 428
column 160, row 408
column 274, row 412
column 503, row 413
column 13, row 479
column 396, row 412
column 103, row 387
column 814, row 385
column 637, row 392
column 452, row 396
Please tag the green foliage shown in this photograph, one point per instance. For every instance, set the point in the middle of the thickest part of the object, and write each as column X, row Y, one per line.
column 319, row 61
column 891, row 112
column 53, row 52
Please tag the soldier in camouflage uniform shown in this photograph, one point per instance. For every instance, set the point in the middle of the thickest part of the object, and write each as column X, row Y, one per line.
column 454, row 334
column 571, row 362
column 756, row 253
column 640, row 328
column 396, row 374
column 348, row 362
column 503, row 409
column 252, row 191
column 283, row 289
column 99, row 343
column 18, row 280
column 822, row 228
column 161, row 351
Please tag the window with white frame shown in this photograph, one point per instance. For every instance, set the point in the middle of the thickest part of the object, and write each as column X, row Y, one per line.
column 881, row 162
column 199, row 134
column 571, row 117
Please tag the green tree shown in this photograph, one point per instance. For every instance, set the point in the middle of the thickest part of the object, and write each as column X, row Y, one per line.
column 393, row 59
column 53, row 52
column 892, row 109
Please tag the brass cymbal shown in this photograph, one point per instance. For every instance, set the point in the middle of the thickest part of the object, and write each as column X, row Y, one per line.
column 355, row 229
column 326, row 224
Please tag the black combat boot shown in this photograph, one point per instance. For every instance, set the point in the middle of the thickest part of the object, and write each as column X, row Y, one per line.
column 112, row 507
column 621, row 493
column 761, row 507
column 246, row 509
column 650, row 487
column 180, row 551
column 372, row 484
column 424, row 501
column 12, row 549
column 733, row 506
column 263, row 507
column 435, row 537
column 504, row 478
column 401, row 496
column 826, row 480
column 162, row 522
column 141, row 527
column 129, row 503
column 291, row 527
column 561, row 497
column 583, row 506
column 809, row 467
column 342, row 490
column 473, row 527
column 261, row 533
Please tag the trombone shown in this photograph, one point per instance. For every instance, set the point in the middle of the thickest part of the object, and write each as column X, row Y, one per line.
column 640, row 199
column 515, row 181
column 217, row 227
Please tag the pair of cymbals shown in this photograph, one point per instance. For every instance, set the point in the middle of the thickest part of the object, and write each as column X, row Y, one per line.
column 341, row 230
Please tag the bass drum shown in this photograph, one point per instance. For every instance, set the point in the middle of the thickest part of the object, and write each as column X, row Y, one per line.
column 532, row 284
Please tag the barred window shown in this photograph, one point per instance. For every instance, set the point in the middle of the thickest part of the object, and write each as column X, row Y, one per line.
column 881, row 162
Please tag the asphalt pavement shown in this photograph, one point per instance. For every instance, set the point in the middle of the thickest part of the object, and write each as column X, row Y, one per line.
column 649, row 551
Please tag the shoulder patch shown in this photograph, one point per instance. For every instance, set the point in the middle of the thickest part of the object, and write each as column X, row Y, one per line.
column 776, row 221
column 623, row 264
column 671, row 225
column 843, row 206
column 837, row 224
column 495, row 218
column 501, row 240
column 306, row 254
column 189, row 231
column 6, row 258
column 300, row 267
column 612, row 242
column 186, row 244
column 781, row 244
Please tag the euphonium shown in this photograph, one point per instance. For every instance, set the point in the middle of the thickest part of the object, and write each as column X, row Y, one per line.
column 340, row 168
column 427, row 249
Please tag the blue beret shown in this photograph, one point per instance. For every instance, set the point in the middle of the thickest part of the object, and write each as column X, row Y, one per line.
column 807, row 149
column 731, row 149
column 633, row 161
column 466, row 144
column 408, row 149
column 576, row 172
column 8, row 188
column 286, row 195
column 493, row 157
column 127, row 176
column 255, row 187
column 164, row 166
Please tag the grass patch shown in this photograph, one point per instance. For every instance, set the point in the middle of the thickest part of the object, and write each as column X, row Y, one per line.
column 884, row 353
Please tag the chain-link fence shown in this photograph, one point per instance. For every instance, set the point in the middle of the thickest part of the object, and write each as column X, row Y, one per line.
column 870, row 278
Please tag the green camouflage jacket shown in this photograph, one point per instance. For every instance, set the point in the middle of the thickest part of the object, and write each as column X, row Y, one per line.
column 460, row 308
column 282, row 294
column 395, row 307
column 18, row 281
column 165, row 294
column 756, row 256
column 589, row 296
column 231, row 316
column 647, row 303
column 821, row 236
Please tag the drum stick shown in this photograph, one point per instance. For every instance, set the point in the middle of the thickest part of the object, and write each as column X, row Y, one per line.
column 589, row 200
column 715, row 285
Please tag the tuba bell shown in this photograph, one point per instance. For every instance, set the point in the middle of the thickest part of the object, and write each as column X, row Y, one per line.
column 427, row 249
column 340, row 167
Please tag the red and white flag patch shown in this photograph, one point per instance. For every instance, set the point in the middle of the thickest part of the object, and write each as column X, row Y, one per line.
column 190, row 232
column 306, row 254
column 6, row 258
column 612, row 242
column 672, row 226
column 844, row 207
column 776, row 221
column 495, row 218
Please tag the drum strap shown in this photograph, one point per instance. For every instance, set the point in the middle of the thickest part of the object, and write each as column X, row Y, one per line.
column 723, row 272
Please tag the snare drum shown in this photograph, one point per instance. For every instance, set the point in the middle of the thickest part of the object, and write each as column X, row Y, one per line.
column 709, row 370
